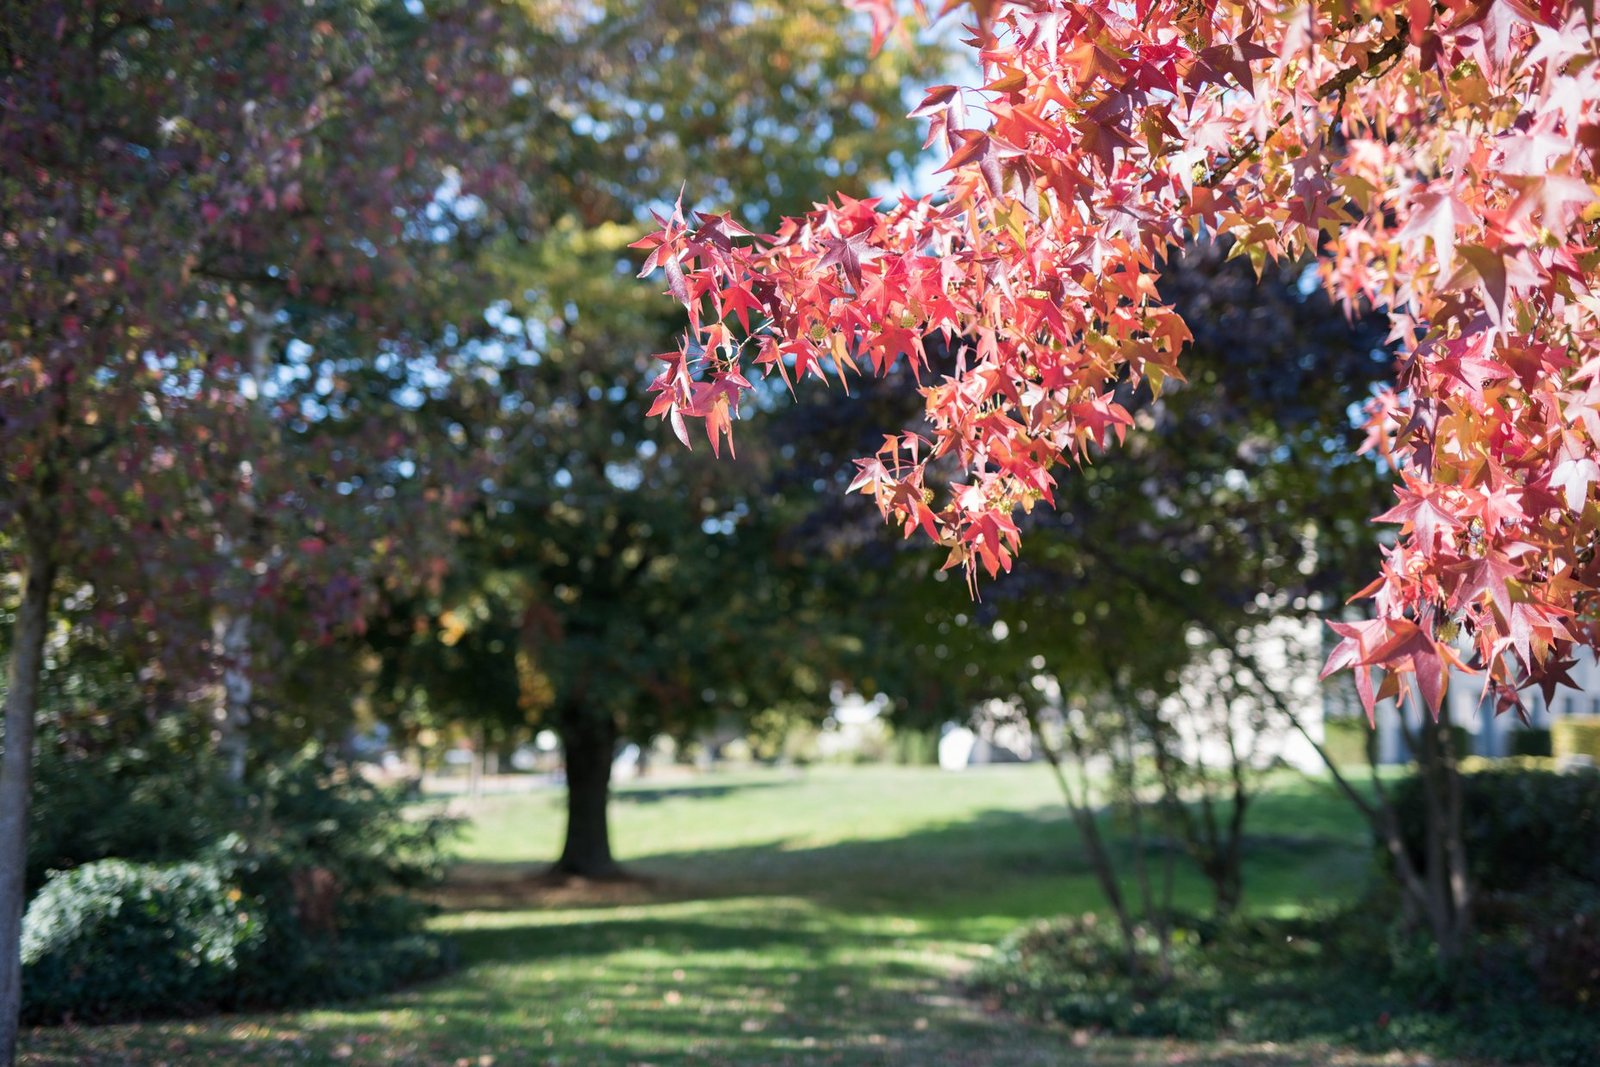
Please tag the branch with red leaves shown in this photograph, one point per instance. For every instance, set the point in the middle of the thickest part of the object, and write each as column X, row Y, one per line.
column 1441, row 159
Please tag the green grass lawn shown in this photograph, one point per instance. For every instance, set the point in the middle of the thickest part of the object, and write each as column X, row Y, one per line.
column 817, row 917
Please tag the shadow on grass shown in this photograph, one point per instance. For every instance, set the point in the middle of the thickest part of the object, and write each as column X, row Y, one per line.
column 796, row 953
column 648, row 794
column 996, row 864
column 533, row 941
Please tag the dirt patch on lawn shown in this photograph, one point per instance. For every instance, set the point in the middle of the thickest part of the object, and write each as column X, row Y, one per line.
column 515, row 886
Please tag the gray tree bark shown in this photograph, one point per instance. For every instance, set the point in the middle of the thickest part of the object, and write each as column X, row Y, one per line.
column 16, row 778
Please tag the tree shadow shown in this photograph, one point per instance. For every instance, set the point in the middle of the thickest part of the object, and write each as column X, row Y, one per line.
column 647, row 794
column 1033, row 858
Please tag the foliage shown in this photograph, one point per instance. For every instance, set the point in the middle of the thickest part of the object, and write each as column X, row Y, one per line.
column 212, row 376
column 802, row 918
column 226, row 267
column 365, row 933
column 113, row 938
column 1341, row 978
column 1576, row 737
column 1111, row 138
column 609, row 589
column 1520, row 826
column 110, row 785
column 1566, row 950
column 269, row 841
column 1531, row 741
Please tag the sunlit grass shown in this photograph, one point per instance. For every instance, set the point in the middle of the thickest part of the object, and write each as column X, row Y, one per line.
column 821, row 917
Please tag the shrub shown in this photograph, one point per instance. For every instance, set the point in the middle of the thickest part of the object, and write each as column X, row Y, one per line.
column 1520, row 826
column 1566, row 952
column 114, row 939
column 152, row 796
column 1576, row 737
column 320, row 861
column 1528, row 764
column 1075, row 970
column 1531, row 741
column 1347, row 979
column 328, row 859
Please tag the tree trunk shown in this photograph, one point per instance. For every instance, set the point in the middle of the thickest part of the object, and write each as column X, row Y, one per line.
column 1083, row 817
column 1449, row 900
column 232, row 627
column 589, row 741
column 16, row 772
column 233, row 710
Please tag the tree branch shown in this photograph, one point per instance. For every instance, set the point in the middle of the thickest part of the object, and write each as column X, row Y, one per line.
column 1335, row 85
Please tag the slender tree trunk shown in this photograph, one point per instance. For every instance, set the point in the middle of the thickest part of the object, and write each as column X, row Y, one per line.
column 1451, row 932
column 1155, row 913
column 1448, row 904
column 588, row 740
column 1093, row 844
column 1229, row 882
column 232, row 626
column 232, row 633
column 1441, row 898
column 1461, row 890
column 16, row 772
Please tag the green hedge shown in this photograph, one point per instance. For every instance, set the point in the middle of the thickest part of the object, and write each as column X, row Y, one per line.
column 114, row 939
column 1530, row 742
column 1348, row 979
column 1520, row 825
column 110, row 938
column 158, row 796
column 1576, row 737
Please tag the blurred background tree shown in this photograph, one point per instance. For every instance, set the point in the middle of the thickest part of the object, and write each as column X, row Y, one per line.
column 612, row 587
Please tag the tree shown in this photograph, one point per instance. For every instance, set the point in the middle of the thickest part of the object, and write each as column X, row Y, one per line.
column 1238, row 511
column 588, row 595
column 1213, row 539
column 176, row 170
column 1438, row 158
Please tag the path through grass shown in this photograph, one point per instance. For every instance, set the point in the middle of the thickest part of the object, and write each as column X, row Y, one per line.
column 810, row 918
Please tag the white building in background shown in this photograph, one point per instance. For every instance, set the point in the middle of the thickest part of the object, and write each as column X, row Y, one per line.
column 1216, row 701
column 1219, row 713
column 1217, row 710
column 1491, row 734
column 994, row 735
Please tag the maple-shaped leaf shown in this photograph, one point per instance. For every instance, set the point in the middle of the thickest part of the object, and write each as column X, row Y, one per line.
column 1234, row 57
column 1354, row 652
column 1556, row 673
column 1555, row 200
column 936, row 100
column 885, row 17
column 1490, row 267
column 848, row 254
column 987, row 152
column 1421, row 512
column 1466, row 362
column 1530, row 632
column 1434, row 216
column 1411, row 648
column 1490, row 575
column 719, row 424
column 1573, row 478
column 1088, row 61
